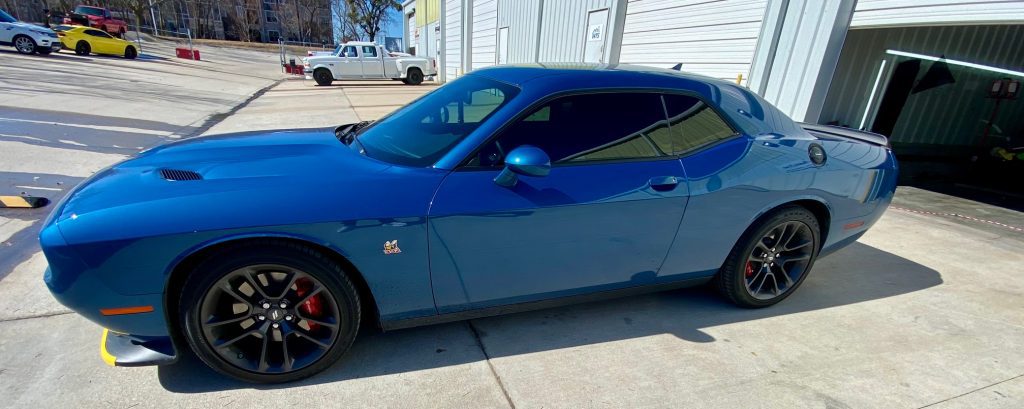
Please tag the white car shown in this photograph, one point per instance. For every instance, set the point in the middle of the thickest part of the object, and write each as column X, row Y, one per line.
column 27, row 38
column 367, row 61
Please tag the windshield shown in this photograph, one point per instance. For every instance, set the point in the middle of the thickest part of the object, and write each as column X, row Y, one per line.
column 423, row 131
column 6, row 18
column 92, row 11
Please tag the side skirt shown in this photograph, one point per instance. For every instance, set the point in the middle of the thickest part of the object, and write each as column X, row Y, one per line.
column 542, row 304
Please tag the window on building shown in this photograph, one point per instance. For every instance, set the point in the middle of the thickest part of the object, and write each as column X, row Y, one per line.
column 586, row 128
column 693, row 124
column 271, row 17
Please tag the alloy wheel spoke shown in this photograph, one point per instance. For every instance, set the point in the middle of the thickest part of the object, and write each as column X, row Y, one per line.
column 303, row 334
column 291, row 282
column 217, row 323
column 252, row 282
column 788, row 232
column 785, row 275
column 799, row 246
column 316, row 290
column 318, row 322
column 238, row 338
column 226, row 287
column 789, row 259
column 264, row 365
column 287, row 363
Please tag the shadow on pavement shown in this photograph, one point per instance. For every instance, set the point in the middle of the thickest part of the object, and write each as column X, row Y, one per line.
column 859, row 273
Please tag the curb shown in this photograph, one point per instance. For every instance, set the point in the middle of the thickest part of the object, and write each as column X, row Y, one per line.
column 23, row 202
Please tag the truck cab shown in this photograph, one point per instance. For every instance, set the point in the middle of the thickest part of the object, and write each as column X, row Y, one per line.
column 367, row 61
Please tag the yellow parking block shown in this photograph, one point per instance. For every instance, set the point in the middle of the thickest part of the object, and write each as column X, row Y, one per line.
column 24, row 202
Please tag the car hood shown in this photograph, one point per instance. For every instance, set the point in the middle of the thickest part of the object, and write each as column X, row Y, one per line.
column 227, row 177
column 22, row 24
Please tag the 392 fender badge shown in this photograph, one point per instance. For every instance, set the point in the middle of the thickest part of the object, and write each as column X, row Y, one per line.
column 391, row 247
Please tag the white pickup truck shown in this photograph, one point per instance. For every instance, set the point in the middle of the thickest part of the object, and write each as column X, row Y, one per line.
column 367, row 61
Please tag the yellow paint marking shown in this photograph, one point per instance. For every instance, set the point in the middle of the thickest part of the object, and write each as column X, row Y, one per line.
column 14, row 201
column 107, row 358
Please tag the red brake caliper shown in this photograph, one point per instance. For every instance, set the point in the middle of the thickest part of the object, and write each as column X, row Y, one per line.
column 750, row 269
column 314, row 306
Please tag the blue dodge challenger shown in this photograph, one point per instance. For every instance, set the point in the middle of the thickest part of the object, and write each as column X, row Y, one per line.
column 511, row 188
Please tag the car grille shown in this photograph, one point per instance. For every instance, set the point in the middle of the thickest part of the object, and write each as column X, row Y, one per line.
column 176, row 175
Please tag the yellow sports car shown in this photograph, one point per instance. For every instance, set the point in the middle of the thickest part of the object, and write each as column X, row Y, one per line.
column 86, row 40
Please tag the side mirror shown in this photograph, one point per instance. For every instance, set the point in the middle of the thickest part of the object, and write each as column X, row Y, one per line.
column 524, row 160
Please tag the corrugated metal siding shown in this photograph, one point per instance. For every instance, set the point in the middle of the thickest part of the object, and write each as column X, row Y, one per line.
column 485, row 32
column 427, row 11
column 809, row 44
column 714, row 38
column 521, row 17
column 452, row 39
column 878, row 13
column 563, row 26
column 950, row 114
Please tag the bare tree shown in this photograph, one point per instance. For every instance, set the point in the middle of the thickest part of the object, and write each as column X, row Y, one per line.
column 245, row 17
column 344, row 29
column 370, row 15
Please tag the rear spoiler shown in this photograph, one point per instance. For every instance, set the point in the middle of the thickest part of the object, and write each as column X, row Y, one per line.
column 848, row 133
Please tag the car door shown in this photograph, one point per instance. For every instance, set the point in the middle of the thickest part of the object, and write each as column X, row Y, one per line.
column 370, row 59
column 349, row 65
column 6, row 32
column 101, row 42
column 603, row 218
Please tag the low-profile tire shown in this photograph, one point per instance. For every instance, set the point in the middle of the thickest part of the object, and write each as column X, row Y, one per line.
column 24, row 44
column 43, row 51
column 269, row 311
column 323, row 77
column 414, row 76
column 130, row 53
column 83, row 48
column 771, row 259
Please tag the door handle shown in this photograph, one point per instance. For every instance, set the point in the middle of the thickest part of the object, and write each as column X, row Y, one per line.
column 664, row 183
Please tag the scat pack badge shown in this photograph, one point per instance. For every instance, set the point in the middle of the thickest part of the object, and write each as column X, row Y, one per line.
column 391, row 247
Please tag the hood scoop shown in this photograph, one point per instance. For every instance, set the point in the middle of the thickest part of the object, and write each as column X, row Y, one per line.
column 178, row 175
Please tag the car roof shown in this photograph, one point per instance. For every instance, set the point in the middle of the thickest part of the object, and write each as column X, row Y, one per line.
column 359, row 43
column 747, row 110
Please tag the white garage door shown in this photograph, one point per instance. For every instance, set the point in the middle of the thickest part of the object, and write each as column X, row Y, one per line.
column 715, row 38
column 887, row 13
column 485, row 33
column 452, row 39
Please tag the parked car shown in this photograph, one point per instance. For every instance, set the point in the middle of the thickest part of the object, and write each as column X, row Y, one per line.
column 511, row 188
column 87, row 40
column 367, row 61
column 26, row 38
column 97, row 17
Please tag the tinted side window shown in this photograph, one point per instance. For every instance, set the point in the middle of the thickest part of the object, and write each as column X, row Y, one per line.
column 693, row 124
column 369, row 51
column 585, row 128
column 349, row 51
column 97, row 33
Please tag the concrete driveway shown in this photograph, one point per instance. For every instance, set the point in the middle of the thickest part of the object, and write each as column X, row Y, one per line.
column 924, row 311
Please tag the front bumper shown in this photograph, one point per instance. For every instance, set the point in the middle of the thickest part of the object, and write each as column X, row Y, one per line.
column 126, row 350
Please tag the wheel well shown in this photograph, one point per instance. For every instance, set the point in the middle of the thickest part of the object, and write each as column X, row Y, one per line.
column 185, row 267
column 818, row 209
column 409, row 71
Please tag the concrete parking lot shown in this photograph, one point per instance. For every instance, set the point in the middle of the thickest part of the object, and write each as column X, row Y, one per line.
column 924, row 311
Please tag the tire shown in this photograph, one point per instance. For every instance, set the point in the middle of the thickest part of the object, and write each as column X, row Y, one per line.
column 323, row 76
column 44, row 51
column 247, row 337
column 24, row 44
column 771, row 259
column 130, row 53
column 414, row 77
column 83, row 48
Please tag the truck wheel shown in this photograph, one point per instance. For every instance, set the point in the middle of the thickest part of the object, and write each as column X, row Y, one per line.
column 323, row 76
column 415, row 76
column 24, row 44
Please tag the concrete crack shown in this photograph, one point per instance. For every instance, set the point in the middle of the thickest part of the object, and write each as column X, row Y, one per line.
column 480, row 343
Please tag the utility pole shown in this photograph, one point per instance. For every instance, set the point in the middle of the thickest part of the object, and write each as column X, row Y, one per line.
column 153, row 15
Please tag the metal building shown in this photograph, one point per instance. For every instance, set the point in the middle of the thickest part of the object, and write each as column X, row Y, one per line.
column 919, row 71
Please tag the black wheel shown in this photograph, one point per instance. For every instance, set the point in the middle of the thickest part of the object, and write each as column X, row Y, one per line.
column 414, row 77
column 772, row 258
column 130, row 53
column 323, row 76
column 24, row 44
column 269, row 312
column 82, row 48
column 44, row 51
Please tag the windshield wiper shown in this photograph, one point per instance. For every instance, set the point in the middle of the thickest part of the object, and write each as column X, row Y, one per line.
column 348, row 134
